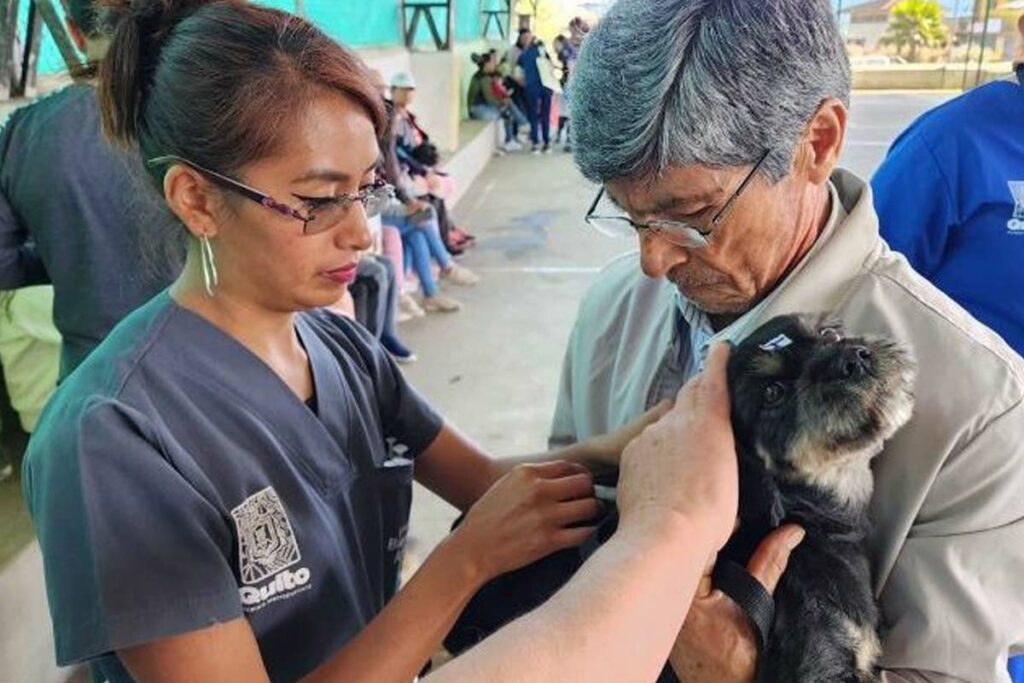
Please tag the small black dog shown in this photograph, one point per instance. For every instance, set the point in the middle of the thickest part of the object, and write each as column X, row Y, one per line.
column 810, row 409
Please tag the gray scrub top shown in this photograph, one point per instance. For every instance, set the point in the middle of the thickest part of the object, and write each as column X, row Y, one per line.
column 176, row 482
column 76, row 213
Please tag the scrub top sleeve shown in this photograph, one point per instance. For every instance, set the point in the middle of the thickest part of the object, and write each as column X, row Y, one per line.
column 914, row 202
column 133, row 552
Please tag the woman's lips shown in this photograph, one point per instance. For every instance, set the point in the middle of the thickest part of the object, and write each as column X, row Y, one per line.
column 343, row 276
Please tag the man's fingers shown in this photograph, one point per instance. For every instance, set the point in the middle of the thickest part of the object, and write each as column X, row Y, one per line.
column 771, row 557
column 657, row 412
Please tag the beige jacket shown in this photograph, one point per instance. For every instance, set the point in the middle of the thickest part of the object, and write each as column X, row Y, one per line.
column 948, row 549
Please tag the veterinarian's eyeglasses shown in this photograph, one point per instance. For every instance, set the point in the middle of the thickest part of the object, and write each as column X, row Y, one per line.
column 618, row 224
column 323, row 213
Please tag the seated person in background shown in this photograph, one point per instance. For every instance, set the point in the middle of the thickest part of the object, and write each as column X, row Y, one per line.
column 489, row 100
column 29, row 354
column 421, row 239
column 420, row 158
column 375, row 296
column 417, row 222
column 391, row 237
column 950, row 197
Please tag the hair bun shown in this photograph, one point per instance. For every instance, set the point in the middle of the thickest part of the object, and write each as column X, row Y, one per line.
column 153, row 19
column 138, row 30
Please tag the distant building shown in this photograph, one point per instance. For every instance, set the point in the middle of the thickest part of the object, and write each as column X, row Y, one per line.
column 866, row 23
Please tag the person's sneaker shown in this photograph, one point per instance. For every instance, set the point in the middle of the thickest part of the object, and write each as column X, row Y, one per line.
column 408, row 306
column 440, row 304
column 546, row 149
column 460, row 275
column 512, row 146
column 399, row 351
column 535, row 149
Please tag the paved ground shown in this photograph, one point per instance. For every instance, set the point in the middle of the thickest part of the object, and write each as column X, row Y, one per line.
column 493, row 369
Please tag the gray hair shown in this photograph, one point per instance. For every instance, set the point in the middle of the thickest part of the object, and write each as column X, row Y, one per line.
column 663, row 83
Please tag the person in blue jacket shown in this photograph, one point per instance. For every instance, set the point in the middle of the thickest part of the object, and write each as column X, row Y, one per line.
column 950, row 197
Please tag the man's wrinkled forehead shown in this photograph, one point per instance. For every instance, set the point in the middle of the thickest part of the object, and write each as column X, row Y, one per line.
column 671, row 190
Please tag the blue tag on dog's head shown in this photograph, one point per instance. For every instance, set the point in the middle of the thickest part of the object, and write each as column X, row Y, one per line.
column 777, row 344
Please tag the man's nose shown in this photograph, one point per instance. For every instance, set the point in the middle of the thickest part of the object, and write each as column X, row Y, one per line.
column 658, row 256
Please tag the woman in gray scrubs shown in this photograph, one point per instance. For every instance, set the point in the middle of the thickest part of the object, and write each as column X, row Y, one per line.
column 222, row 490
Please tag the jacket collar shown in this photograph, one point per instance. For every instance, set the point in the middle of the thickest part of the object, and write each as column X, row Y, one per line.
column 830, row 272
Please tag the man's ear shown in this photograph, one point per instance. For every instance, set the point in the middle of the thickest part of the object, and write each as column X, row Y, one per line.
column 825, row 135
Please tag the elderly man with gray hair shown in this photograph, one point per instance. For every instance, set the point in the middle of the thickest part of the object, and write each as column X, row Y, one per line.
column 715, row 128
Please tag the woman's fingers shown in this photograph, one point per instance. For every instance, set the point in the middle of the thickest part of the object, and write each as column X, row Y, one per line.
column 576, row 511
column 570, row 487
column 570, row 538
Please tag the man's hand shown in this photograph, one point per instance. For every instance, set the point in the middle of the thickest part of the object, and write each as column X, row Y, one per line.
column 717, row 643
column 607, row 450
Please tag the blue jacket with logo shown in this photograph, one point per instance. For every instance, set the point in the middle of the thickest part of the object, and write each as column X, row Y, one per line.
column 950, row 196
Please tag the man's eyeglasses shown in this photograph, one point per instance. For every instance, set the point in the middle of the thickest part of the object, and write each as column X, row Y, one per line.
column 322, row 214
column 617, row 224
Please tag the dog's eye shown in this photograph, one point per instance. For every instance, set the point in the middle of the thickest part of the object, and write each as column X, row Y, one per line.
column 774, row 394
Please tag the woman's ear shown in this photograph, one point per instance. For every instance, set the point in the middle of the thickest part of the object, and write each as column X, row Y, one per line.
column 192, row 200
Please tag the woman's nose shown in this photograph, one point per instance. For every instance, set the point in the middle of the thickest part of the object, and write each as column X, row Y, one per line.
column 354, row 233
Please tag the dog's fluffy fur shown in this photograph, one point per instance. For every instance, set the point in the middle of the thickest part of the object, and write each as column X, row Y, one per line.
column 811, row 408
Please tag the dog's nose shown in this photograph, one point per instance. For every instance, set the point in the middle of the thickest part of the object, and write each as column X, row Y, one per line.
column 856, row 361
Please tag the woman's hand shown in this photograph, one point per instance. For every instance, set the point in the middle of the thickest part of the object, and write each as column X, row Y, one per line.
column 526, row 516
column 607, row 450
column 686, row 463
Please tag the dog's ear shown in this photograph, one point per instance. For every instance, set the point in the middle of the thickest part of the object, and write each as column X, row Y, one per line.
column 814, row 323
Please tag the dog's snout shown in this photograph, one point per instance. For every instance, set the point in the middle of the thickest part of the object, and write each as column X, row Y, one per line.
column 856, row 361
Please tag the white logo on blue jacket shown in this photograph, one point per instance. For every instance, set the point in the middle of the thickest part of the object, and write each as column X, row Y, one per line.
column 1016, row 223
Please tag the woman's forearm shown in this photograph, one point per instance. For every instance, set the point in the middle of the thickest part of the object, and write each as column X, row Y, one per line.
column 396, row 645
column 616, row 620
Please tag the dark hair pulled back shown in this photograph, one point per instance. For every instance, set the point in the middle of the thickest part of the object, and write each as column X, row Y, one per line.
column 219, row 82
